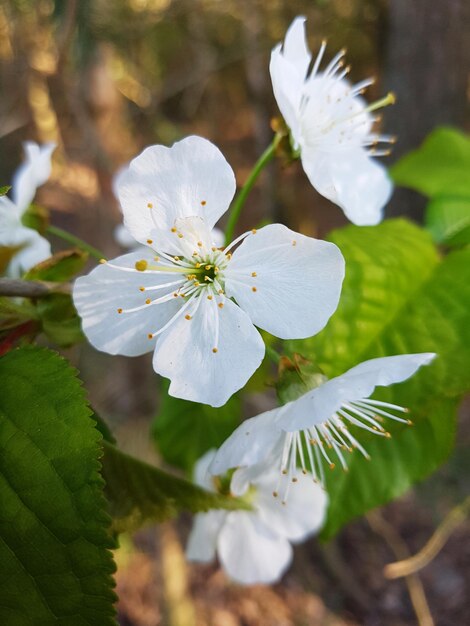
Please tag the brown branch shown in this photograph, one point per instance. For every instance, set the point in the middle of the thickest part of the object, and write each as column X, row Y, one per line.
column 413, row 582
column 30, row 288
column 413, row 564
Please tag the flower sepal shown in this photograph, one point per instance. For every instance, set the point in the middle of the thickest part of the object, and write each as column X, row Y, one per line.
column 296, row 376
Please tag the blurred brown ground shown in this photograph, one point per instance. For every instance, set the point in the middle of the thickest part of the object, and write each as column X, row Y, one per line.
column 104, row 78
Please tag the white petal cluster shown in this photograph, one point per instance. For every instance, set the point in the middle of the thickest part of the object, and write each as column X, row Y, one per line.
column 255, row 546
column 196, row 305
column 313, row 431
column 331, row 126
column 31, row 247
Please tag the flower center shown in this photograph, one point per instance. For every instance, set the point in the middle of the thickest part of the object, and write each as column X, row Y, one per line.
column 322, row 444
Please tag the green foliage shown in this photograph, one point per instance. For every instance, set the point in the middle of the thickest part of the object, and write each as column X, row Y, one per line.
column 183, row 431
column 4, row 190
column 440, row 169
column 139, row 493
column 54, row 542
column 448, row 220
column 398, row 297
column 60, row 267
column 59, row 319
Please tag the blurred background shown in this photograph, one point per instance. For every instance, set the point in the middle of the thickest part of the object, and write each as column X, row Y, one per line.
column 105, row 78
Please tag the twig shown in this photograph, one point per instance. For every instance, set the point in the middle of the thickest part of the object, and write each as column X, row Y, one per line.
column 413, row 564
column 30, row 288
column 413, row 582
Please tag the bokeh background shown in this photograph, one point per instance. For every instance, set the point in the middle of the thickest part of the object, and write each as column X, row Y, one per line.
column 105, row 78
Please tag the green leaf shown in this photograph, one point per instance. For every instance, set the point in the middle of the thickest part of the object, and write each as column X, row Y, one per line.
column 183, row 431
column 60, row 267
column 440, row 166
column 139, row 493
column 4, row 190
column 398, row 297
column 60, row 321
column 54, row 542
column 14, row 312
column 448, row 220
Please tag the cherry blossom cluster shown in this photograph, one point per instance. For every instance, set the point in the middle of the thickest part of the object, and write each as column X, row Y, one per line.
column 197, row 305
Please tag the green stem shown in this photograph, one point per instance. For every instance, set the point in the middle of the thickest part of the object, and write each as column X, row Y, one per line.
column 76, row 241
column 237, row 206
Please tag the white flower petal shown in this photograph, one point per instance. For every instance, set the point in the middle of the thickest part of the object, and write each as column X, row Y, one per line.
column 184, row 353
column 202, row 540
column 287, row 83
column 359, row 382
column 250, row 552
column 289, row 284
column 304, row 512
column 33, row 250
column 192, row 178
column 99, row 295
column 33, row 173
column 295, row 49
column 202, row 475
column 250, row 443
column 358, row 184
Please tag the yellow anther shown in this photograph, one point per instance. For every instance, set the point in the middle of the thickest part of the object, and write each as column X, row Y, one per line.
column 150, row 205
column 119, row 310
column 254, row 289
column 203, row 202
column 150, row 336
column 141, row 288
column 175, row 295
column 173, row 230
column 229, row 255
column 141, row 266
column 198, row 265
column 187, row 317
column 207, row 279
column 216, row 269
column 149, row 241
column 275, row 494
column 209, row 297
column 214, row 350
column 196, row 283
column 213, row 248
column 332, row 466
column 254, row 274
column 294, row 242
column 199, row 243
column 176, row 258
column 180, row 235
column 148, row 301
column 254, row 231
column 102, row 261
column 208, row 267
column 294, row 480
column 156, row 258
column 221, row 305
column 220, row 292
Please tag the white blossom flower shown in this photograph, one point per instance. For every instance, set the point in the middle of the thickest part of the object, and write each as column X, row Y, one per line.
column 331, row 127
column 314, row 429
column 255, row 546
column 31, row 247
column 178, row 298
